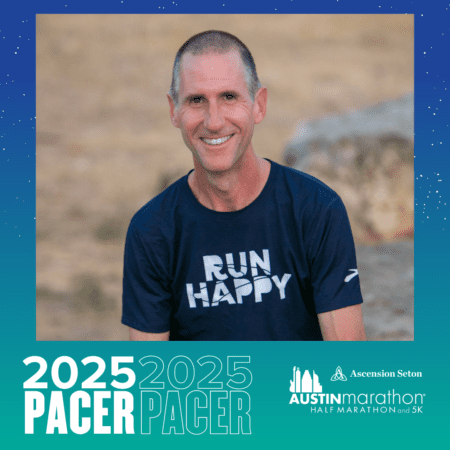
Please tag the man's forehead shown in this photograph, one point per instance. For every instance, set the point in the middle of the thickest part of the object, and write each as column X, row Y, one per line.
column 231, row 59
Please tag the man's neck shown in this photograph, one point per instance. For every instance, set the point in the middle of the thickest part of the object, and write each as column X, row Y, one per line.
column 232, row 190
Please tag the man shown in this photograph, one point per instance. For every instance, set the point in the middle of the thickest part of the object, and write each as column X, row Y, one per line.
column 241, row 248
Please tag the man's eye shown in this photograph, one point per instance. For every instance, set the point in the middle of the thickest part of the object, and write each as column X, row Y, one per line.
column 196, row 100
column 229, row 96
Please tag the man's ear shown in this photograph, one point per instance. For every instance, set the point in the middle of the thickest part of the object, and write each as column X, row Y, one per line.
column 260, row 104
column 173, row 112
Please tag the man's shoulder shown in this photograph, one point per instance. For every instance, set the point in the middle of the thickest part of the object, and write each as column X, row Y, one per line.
column 160, row 208
column 307, row 187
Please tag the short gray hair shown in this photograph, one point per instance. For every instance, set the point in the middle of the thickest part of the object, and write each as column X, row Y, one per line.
column 215, row 42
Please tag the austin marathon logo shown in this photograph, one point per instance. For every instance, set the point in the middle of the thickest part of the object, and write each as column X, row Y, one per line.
column 306, row 389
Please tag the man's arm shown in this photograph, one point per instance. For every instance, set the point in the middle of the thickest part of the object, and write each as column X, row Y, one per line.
column 136, row 335
column 345, row 324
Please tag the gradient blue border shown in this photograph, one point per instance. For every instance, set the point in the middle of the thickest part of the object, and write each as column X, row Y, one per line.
column 273, row 422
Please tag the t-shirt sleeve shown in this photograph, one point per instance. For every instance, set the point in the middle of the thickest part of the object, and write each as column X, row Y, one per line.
column 334, row 275
column 146, row 292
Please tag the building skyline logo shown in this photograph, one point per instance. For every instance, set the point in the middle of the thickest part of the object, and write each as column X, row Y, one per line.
column 338, row 376
column 305, row 383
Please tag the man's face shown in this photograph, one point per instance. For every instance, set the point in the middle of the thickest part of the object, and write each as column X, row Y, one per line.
column 215, row 112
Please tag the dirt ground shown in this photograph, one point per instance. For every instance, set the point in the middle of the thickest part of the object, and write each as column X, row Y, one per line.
column 105, row 143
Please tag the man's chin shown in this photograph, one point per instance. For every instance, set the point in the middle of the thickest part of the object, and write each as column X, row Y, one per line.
column 217, row 170
column 215, row 166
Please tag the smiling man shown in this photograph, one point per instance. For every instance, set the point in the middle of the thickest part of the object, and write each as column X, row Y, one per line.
column 240, row 248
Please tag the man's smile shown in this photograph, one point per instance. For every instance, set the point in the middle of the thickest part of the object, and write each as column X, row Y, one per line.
column 217, row 141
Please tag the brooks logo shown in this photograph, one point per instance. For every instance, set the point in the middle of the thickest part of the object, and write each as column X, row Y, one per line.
column 352, row 275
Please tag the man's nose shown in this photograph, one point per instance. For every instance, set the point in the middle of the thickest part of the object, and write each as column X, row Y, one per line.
column 214, row 120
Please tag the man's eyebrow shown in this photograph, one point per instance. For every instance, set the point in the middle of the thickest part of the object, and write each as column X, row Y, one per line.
column 230, row 92
column 190, row 97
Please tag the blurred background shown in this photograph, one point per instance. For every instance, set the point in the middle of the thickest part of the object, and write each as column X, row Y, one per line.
column 106, row 146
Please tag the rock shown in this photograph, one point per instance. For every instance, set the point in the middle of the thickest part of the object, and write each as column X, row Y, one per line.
column 367, row 157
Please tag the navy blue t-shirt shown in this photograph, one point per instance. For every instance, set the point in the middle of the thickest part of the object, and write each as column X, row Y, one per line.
column 261, row 273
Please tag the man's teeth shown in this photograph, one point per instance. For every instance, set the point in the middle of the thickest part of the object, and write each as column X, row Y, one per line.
column 216, row 141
